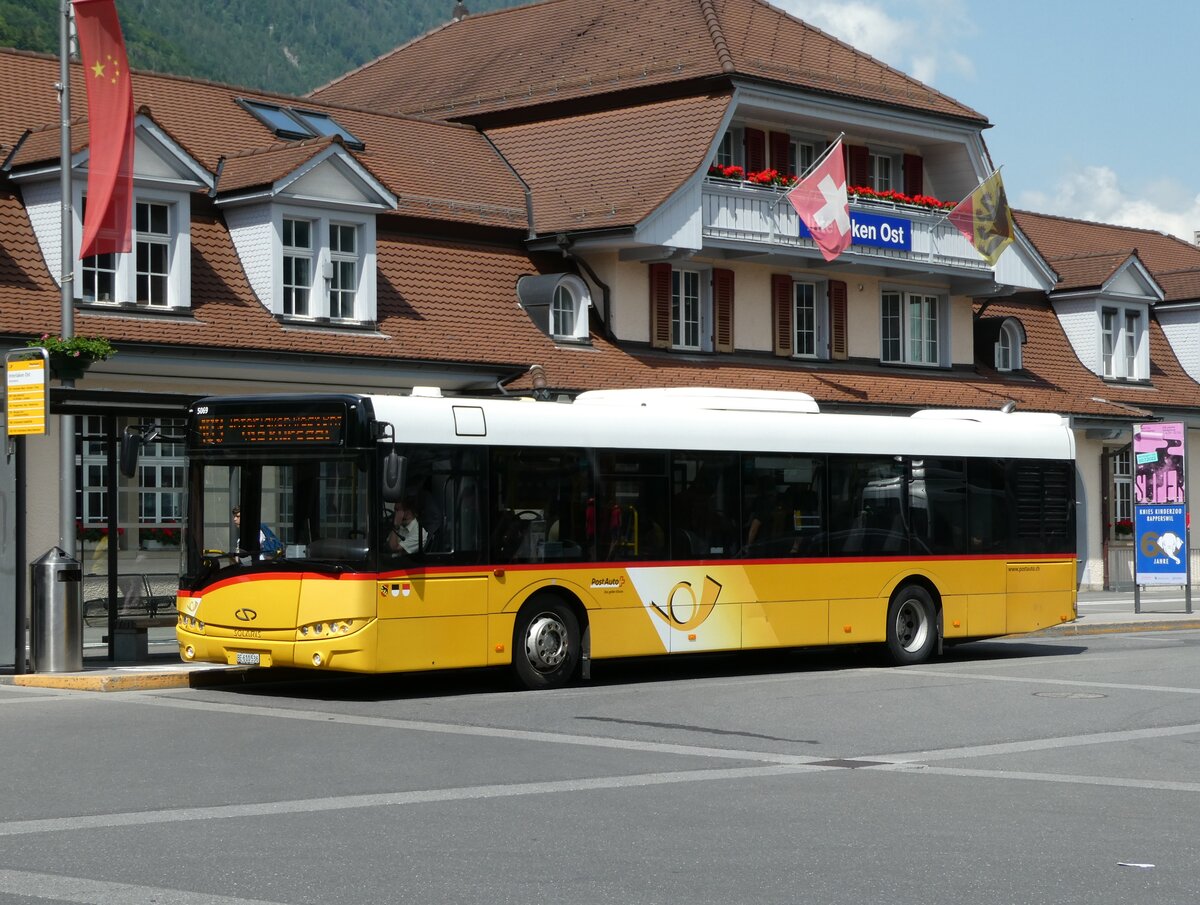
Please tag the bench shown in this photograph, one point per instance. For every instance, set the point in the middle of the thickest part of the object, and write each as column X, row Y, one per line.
column 144, row 601
column 139, row 595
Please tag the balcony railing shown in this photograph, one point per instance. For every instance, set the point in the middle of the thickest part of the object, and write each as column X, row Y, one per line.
column 742, row 212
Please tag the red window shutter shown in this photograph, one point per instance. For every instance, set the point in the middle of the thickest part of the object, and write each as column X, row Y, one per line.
column 858, row 165
column 914, row 174
column 781, row 313
column 756, row 150
column 722, row 281
column 660, row 306
column 837, row 320
column 781, row 144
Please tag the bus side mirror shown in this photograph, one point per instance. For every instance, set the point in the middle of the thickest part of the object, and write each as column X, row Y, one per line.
column 395, row 471
column 131, row 447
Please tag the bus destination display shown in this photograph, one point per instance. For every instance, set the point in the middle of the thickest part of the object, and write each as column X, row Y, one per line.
column 254, row 430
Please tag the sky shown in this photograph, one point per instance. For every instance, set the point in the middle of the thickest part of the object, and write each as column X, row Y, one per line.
column 1095, row 106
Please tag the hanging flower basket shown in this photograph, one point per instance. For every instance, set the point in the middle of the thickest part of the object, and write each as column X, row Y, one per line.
column 70, row 358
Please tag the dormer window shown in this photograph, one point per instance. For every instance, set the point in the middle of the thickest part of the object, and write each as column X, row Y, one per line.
column 155, row 273
column 558, row 304
column 1124, row 350
column 321, row 265
column 308, row 246
column 1008, row 346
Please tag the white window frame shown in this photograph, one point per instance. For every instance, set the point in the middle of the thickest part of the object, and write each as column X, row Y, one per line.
column 297, row 290
column 883, row 169
column 1008, row 348
column 932, row 311
column 703, row 313
column 1122, row 489
column 344, row 275
column 820, row 319
column 124, row 267
column 93, row 463
column 325, row 263
column 803, row 154
column 569, row 306
column 727, row 150
column 150, row 240
column 1123, row 342
column 166, row 462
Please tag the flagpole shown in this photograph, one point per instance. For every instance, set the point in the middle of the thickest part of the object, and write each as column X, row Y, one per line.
column 946, row 215
column 66, row 499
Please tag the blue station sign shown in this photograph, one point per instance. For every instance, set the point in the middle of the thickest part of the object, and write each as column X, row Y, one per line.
column 874, row 230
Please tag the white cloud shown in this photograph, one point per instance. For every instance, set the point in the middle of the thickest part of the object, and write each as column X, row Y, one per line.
column 1094, row 193
column 919, row 38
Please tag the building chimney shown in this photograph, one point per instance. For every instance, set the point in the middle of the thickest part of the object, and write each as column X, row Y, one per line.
column 1196, row 237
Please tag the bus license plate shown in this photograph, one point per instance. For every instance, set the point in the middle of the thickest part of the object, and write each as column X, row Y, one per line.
column 248, row 659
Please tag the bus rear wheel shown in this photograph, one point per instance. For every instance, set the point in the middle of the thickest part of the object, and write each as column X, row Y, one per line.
column 911, row 626
column 546, row 644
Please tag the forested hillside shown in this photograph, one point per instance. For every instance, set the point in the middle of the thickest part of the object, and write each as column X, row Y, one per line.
column 290, row 46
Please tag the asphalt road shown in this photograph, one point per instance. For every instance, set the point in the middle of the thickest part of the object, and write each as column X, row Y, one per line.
column 1057, row 770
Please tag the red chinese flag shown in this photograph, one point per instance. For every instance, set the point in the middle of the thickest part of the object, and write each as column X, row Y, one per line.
column 108, row 218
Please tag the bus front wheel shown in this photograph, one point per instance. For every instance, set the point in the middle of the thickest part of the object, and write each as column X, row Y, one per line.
column 546, row 644
column 911, row 626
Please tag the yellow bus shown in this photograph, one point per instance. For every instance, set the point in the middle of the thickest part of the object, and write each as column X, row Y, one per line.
column 419, row 532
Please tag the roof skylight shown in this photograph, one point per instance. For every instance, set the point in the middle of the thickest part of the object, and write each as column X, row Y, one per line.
column 293, row 123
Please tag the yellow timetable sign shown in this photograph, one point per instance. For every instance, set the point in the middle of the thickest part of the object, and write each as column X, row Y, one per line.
column 26, row 395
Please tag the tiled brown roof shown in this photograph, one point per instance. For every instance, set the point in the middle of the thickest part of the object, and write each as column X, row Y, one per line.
column 564, row 49
column 1062, row 238
column 1087, row 271
column 611, row 168
column 1180, row 284
column 45, row 144
column 264, row 166
column 439, row 171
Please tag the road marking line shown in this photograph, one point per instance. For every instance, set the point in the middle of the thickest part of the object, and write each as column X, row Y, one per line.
column 1159, row 785
column 391, row 799
column 102, row 892
column 1033, row 680
column 1037, row 744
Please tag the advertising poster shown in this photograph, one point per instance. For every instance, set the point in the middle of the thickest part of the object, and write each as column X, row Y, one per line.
column 1160, row 514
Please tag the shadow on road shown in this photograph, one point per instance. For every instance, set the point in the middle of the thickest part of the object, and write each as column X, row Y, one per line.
column 308, row 685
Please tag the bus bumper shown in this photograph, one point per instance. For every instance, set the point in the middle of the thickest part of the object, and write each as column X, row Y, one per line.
column 353, row 652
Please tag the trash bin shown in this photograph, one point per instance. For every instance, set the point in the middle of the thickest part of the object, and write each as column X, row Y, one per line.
column 56, row 617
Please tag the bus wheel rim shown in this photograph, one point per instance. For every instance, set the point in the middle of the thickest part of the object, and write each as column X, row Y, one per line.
column 912, row 625
column 546, row 646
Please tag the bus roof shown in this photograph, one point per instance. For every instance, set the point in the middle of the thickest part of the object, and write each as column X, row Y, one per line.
column 648, row 419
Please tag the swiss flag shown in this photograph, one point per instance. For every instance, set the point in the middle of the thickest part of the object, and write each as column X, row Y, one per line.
column 820, row 200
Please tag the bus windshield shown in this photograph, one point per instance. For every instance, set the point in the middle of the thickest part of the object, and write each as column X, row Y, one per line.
column 252, row 512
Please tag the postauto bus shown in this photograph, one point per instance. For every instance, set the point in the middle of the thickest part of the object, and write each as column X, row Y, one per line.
column 625, row 523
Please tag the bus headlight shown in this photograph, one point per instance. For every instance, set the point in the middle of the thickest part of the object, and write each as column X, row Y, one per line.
column 323, row 629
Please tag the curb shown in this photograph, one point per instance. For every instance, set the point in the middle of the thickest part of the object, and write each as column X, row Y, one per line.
column 1071, row 629
column 130, row 679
